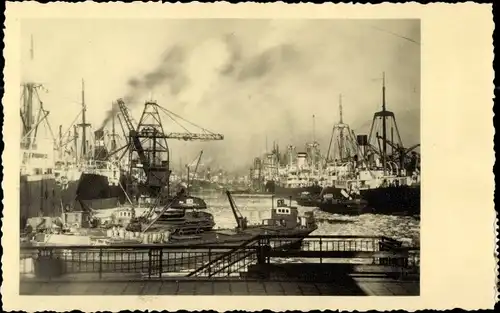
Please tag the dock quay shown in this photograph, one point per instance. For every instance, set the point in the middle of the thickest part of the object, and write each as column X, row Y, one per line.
column 265, row 265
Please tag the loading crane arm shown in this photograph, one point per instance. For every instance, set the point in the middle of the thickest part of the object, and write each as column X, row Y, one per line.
column 127, row 118
column 195, row 170
column 133, row 133
column 240, row 220
column 194, row 136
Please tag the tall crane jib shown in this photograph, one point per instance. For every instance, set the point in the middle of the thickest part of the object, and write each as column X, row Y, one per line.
column 148, row 148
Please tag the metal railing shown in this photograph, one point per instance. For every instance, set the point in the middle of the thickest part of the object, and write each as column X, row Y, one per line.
column 228, row 260
column 141, row 261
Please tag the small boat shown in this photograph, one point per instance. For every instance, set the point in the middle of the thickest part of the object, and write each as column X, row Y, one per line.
column 308, row 200
column 347, row 205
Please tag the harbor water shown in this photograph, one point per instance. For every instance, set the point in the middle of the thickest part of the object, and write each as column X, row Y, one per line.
column 403, row 228
column 255, row 209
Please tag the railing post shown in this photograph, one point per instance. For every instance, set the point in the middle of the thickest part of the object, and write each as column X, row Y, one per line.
column 260, row 254
column 268, row 249
column 100, row 263
column 49, row 257
column 320, row 250
column 209, row 261
column 149, row 263
column 160, row 266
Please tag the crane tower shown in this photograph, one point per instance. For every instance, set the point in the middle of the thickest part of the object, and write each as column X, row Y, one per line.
column 147, row 145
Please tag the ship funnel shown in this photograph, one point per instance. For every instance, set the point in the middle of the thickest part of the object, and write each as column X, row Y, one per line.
column 362, row 143
column 100, row 151
column 301, row 159
column 99, row 138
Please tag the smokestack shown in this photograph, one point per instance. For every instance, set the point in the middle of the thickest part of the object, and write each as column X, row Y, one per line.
column 99, row 138
column 362, row 143
column 100, row 151
column 301, row 159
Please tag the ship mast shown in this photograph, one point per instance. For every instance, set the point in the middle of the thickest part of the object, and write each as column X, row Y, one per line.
column 384, row 116
column 27, row 117
column 342, row 141
column 113, row 130
column 75, row 131
column 30, row 123
column 314, row 129
column 341, row 133
column 384, row 125
column 84, row 125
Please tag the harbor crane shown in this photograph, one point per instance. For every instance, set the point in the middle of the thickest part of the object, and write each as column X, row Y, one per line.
column 147, row 145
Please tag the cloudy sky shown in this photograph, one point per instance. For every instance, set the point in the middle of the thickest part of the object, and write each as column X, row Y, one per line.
column 245, row 79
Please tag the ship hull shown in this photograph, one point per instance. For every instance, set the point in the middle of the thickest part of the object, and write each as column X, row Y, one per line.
column 387, row 200
column 346, row 207
column 44, row 196
column 95, row 192
column 96, row 187
column 295, row 192
column 308, row 201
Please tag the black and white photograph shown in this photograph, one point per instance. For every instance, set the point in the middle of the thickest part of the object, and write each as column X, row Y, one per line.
column 279, row 155
column 256, row 156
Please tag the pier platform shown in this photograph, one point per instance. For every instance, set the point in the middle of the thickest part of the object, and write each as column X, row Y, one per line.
column 362, row 287
column 343, row 284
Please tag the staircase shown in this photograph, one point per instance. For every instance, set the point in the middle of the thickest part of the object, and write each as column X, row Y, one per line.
column 230, row 263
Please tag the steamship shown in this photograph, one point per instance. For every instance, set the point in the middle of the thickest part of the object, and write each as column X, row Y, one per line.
column 51, row 178
column 290, row 175
column 102, row 183
column 39, row 192
column 44, row 188
column 48, row 186
column 385, row 174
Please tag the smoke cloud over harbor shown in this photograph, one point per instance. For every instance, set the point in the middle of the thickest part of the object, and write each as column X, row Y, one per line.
column 245, row 79
column 168, row 73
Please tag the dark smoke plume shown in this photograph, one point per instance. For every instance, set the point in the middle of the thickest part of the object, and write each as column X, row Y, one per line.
column 234, row 49
column 263, row 63
column 169, row 72
column 256, row 66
